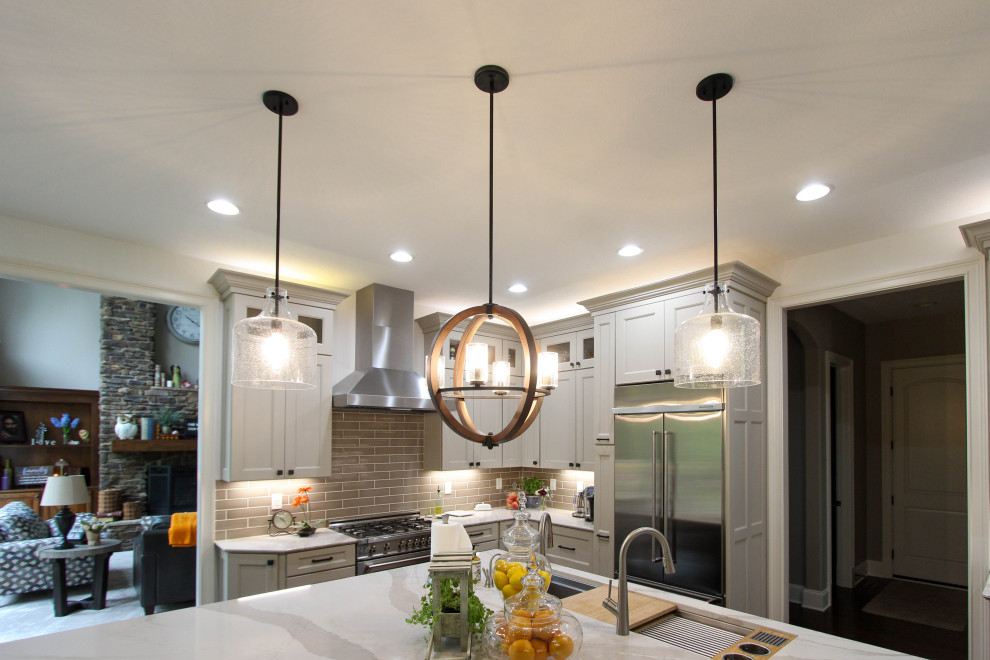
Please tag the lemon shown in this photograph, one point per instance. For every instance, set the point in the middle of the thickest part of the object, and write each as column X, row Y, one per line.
column 515, row 579
column 515, row 566
column 502, row 565
column 546, row 579
column 501, row 579
column 508, row 591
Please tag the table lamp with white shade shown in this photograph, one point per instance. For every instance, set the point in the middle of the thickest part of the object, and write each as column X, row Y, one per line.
column 64, row 492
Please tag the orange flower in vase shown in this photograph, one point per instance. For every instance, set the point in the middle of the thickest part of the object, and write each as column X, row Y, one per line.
column 305, row 529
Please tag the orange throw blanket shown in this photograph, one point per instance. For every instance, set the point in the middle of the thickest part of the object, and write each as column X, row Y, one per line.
column 182, row 531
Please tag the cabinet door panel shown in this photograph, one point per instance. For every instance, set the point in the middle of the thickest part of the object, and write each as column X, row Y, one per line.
column 677, row 311
column 488, row 419
column 639, row 343
column 563, row 346
column 256, row 425
column 604, row 375
column 585, row 349
column 513, row 354
column 524, row 451
column 585, row 419
column 458, row 452
column 307, row 426
column 321, row 321
column 557, row 425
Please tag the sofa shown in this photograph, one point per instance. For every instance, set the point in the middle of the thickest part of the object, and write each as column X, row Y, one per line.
column 162, row 574
column 22, row 534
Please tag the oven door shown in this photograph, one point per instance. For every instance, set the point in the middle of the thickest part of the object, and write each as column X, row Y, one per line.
column 395, row 561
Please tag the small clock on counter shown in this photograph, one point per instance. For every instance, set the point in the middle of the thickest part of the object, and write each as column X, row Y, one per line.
column 183, row 322
column 281, row 523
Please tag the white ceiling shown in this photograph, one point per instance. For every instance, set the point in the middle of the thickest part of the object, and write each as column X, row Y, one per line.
column 123, row 118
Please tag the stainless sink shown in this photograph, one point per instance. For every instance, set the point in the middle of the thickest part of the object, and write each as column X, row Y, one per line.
column 562, row 587
column 695, row 632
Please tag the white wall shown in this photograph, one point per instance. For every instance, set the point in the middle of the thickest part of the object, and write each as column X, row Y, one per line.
column 49, row 336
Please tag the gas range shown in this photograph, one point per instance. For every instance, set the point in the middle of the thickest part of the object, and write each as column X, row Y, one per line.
column 388, row 540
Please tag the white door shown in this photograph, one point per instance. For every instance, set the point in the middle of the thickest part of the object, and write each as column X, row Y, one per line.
column 584, row 420
column 488, row 418
column 929, row 472
column 307, row 426
column 639, row 344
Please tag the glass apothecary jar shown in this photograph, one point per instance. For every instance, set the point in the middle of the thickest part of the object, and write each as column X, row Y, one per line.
column 533, row 624
column 510, row 567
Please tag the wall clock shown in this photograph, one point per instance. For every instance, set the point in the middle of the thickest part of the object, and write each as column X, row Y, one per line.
column 184, row 323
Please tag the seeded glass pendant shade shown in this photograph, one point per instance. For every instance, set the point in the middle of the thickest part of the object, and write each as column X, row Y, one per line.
column 273, row 350
column 719, row 347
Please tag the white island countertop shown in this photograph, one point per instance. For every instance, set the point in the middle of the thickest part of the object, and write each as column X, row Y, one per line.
column 359, row 618
column 559, row 517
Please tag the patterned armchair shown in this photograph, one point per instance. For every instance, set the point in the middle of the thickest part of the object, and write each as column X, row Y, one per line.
column 22, row 534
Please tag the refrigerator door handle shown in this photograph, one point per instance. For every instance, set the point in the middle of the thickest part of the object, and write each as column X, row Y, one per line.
column 667, row 531
column 653, row 509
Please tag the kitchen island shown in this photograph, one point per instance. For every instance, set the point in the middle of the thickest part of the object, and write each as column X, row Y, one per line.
column 361, row 618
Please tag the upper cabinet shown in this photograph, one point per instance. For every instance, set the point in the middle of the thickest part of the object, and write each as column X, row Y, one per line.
column 276, row 434
column 644, row 337
column 575, row 350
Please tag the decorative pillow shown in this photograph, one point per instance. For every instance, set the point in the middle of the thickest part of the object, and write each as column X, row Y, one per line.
column 155, row 522
column 18, row 522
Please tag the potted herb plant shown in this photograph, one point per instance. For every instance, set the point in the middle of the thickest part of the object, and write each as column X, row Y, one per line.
column 93, row 529
column 450, row 601
column 532, row 486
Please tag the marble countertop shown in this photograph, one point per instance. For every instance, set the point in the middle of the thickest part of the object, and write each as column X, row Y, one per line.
column 323, row 538
column 359, row 618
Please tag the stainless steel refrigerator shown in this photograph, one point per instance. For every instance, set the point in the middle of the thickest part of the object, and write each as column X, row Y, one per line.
column 669, row 476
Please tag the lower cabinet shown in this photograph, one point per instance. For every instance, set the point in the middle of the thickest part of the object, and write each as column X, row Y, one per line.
column 572, row 548
column 483, row 537
column 247, row 574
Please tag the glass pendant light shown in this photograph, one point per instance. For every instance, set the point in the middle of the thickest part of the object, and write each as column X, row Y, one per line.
column 718, row 347
column 273, row 350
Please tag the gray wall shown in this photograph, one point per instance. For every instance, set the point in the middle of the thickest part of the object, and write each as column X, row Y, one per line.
column 823, row 328
column 170, row 350
column 49, row 336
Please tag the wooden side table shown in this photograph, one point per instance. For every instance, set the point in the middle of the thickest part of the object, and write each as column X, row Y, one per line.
column 101, row 560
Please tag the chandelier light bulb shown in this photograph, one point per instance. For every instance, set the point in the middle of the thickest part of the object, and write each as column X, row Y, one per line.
column 476, row 363
column 547, row 370
column 714, row 347
column 500, row 376
column 275, row 350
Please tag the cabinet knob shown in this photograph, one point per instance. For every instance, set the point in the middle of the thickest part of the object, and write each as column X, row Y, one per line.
column 579, row 364
column 271, row 562
column 278, row 472
column 292, row 471
column 667, row 371
column 572, row 364
column 570, row 464
column 536, row 462
column 577, row 465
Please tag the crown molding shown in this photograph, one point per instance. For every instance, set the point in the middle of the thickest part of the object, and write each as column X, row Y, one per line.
column 229, row 282
column 742, row 277
column 977, row 235
column 580, row 322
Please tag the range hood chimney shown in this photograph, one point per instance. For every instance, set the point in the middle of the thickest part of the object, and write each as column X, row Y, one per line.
column 383, row 361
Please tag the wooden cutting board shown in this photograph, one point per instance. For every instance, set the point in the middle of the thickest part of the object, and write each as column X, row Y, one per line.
column 642, row 609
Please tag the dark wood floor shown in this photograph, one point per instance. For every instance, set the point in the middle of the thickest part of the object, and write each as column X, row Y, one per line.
column 846, row 619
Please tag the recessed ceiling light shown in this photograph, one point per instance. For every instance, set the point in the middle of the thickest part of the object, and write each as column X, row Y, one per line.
column 630, row 251
column 223, row 207
column 518, row 288
column 401, row 256
column 813, row 192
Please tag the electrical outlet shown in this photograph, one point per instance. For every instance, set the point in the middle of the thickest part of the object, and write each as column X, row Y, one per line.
column 498, row 483
column 580, row 486
column 448, row 488
column 277, row 500
column 553, row 484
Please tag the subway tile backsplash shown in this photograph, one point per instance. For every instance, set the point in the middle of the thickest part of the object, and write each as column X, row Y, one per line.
column 377, row 467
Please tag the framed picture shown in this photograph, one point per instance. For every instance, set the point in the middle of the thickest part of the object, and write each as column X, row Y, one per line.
column 12, row 427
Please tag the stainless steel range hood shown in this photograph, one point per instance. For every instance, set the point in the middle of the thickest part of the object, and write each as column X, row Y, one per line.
column 383, row 376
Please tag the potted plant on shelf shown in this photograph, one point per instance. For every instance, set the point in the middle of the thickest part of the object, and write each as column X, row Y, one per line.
column 532, row 486
column 167, row 419
column 450, row 601
column 93, row 529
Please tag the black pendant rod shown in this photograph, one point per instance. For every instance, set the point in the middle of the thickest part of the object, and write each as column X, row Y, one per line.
column 491, row 186
column 278, row 208
column 715, row 191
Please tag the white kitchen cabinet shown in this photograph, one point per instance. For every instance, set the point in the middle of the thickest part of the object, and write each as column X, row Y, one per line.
column 567, row 437
column 270, row 434
column 446, row 450
column 571, row 547
column 603, row 550
column 248, row 573
column 524, row 451
column 575, row 350
column 644, row 337
column 604, row 329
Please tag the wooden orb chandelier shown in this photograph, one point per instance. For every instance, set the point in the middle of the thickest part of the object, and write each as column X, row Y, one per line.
column 470, row 376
